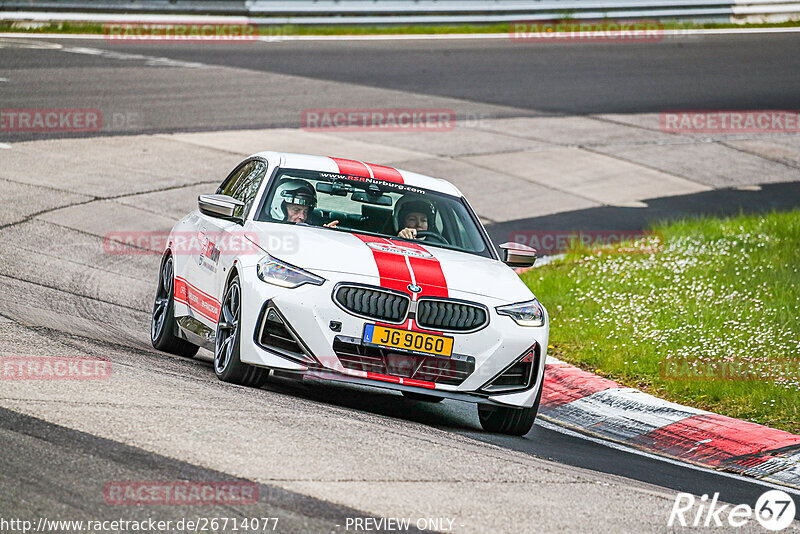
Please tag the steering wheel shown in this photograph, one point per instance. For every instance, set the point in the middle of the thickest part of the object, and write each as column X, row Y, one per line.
column 436, row 236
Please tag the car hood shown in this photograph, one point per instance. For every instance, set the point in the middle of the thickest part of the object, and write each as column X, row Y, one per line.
column 390, row 262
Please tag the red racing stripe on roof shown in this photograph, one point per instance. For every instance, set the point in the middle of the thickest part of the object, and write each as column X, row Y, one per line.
column 352, row 167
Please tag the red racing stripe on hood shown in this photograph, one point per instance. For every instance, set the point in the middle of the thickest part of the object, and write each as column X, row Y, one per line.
column 392, row 268
column 428, row 274
column 352, row 168
column 397, row 271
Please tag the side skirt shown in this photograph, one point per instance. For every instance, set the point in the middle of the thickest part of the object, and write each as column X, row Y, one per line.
column 196, row 332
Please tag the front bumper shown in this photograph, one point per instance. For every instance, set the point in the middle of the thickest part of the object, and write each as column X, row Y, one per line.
column 309, row 312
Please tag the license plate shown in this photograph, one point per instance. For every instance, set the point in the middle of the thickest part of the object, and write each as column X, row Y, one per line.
column 408, row 341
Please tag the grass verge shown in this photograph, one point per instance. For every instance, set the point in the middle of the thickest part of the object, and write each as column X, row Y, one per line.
column 294, row 29
column 704, row 312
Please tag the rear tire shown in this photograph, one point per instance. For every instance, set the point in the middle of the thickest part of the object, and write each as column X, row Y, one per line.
column 511, row 421
column 227, row 365
column 421, row 397
column 162, row 321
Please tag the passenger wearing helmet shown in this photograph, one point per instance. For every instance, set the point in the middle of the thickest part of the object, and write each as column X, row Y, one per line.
column 413, row 215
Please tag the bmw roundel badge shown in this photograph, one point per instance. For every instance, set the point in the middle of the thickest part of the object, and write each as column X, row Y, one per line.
column 414, row 288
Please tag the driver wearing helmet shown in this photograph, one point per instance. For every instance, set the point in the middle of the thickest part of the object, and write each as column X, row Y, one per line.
column 294, row 201
column 412, row 216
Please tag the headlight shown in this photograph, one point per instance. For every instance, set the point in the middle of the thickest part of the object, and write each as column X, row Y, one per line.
column 282, row 274
column 528, row 313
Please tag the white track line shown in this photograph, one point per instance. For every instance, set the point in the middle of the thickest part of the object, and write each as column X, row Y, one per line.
column 551, row 37
column 545, row 422
column 4, row 146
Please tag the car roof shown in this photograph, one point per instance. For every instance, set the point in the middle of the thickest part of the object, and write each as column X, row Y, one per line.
column 358, row 168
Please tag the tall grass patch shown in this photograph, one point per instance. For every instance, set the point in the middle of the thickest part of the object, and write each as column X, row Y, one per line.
column 705, row 312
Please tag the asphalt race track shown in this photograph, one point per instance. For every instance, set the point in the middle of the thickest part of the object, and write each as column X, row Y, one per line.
column 323, row 454
column 489, row 78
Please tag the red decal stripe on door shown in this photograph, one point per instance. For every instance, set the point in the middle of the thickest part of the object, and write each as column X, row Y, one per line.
column 352, row 168
column 386, row 173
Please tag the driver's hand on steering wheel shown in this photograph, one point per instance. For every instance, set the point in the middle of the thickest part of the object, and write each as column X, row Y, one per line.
column 408, row 233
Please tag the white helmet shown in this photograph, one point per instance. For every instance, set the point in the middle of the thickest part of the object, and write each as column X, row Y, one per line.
column 292, row 191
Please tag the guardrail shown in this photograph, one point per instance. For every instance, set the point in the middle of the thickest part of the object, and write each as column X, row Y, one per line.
column 325, row 12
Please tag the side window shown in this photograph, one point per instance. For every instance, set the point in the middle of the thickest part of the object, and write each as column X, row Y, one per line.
column 229, row 184
column 243, row 184
column 460, row 232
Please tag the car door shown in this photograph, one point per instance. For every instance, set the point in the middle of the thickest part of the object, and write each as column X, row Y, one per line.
column 202, row 252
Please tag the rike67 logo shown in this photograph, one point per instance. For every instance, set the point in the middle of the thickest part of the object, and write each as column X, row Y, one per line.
column 774, row 510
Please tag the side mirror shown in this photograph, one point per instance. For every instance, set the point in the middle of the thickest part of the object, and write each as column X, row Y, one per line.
column 218, row 205
column 518, row 255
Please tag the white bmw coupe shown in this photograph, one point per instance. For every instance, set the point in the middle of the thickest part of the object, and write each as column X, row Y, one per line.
column 309, row 266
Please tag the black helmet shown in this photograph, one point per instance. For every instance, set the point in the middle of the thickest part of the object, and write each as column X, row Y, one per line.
column 410, row 204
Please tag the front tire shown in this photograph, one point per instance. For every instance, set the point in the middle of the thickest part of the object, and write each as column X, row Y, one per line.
column 511, row 421
column 227, row 365
column 162, row 323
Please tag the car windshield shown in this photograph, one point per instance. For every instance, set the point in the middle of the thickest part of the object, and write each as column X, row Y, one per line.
column 374, row 207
